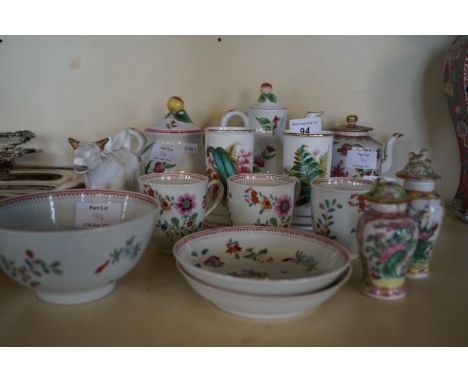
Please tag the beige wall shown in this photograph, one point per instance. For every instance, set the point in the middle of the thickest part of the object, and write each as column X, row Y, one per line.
column 90, row 87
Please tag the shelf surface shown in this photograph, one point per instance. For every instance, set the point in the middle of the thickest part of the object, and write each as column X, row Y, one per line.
column 154, row 306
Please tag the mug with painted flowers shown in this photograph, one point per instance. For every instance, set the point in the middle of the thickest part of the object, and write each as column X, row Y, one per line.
column 262, row 199
column 182, row 204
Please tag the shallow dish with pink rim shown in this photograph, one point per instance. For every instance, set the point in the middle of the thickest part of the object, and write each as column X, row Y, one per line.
column 265, row 307
column 71, row 246
column 262, row 260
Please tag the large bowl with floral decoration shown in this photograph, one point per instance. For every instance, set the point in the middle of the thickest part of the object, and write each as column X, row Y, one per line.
column 262, row 260
column 260, row 306
column 71, row 246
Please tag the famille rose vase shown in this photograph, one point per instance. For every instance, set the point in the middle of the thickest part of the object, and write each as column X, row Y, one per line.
column 306, row 157
column 268, row 119
column 387, row 239
column 425, row 207
column 357, row 154
column 456, row 91
column 229, row 151
column 174, row 144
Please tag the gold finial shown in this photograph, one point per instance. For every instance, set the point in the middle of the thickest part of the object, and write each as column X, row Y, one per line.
column 174, row 104
column 351, row 119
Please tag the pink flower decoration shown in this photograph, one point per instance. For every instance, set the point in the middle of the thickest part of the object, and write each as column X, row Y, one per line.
column 391, row 250
column 270, row 148
column 214, row 262
column 159, row 167
column 283, row 205
column 185, row 203
column 259, row 161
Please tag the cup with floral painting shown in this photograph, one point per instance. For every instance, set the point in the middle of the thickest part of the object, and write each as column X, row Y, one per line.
column 336, row 206
column 262, row 199
column 182, row 204
column 229, row 151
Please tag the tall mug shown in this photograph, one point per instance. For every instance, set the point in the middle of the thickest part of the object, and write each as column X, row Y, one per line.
column 228, row 151
column 307, row 157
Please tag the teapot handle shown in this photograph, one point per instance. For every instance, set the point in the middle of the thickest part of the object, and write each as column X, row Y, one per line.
column 234, row 113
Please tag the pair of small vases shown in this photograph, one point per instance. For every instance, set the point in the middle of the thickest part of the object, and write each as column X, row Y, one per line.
column 392, row 227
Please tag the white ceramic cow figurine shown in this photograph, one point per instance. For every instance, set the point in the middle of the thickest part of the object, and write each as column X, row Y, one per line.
column 110, row 162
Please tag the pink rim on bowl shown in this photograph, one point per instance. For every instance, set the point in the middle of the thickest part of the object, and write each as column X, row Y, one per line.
column 73, row 193
column 238, row 179
column 174, row 175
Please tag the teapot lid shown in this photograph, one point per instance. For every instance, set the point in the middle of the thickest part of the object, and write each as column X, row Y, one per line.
column 386, row 192
column 176, row 120
column 351, row 125
column 419, row 167
column 266, row 99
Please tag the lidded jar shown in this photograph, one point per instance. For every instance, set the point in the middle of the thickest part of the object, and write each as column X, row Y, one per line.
column 356, row 154
column 387, row 238
column 175, row 143
column 268, row 118
column 425, row 207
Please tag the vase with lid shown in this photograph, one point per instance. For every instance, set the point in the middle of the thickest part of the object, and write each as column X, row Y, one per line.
column 387, row 238
column 425, row 207
column 456, row 91
column 174, row 144
column 268, row 118
column 357, row 154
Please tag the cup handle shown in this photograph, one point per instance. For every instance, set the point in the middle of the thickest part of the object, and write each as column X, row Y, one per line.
column 234, row 113
column 219, row 196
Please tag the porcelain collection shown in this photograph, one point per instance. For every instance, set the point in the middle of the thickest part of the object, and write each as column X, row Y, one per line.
column 288, row 208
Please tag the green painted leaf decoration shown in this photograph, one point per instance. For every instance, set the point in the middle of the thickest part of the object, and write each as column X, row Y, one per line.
column 389, row 269
column 306, row 167
column 175, row 222
column 182, row 116
column 274, row 222
column 271, row 97
column 262, row 98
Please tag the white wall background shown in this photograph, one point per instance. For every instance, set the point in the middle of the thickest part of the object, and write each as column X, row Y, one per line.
column 90, row 87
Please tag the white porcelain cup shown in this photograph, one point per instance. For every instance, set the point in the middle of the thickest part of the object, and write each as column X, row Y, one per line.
column 183, row 206
column 307, row 157
column 229, row 151
column 262, row 199
column 336, row 207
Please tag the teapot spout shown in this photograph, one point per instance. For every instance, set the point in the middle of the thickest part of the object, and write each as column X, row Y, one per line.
column 388, row 153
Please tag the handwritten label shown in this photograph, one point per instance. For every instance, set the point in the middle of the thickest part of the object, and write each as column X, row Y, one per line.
column 167, row 154
column 360, row 159
column 191, row 148
column 311, row 125
column 92, row 215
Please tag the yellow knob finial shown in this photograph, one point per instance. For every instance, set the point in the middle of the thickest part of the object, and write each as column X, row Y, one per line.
column 174, row 104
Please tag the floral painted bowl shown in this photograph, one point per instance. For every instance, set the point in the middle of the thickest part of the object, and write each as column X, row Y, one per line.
column 71, row 246
column 264, row 307
column 262, row 260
